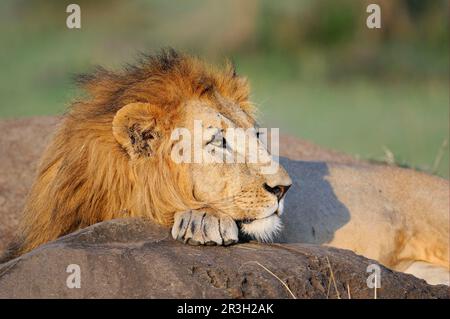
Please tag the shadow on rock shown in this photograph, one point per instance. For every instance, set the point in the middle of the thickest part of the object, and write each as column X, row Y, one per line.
column 312, row 211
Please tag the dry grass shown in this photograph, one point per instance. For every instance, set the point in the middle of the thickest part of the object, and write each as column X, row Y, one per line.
column 439, row 155
column 389, row 158
column 332, row 279
column 271, row 273
column 348, row 292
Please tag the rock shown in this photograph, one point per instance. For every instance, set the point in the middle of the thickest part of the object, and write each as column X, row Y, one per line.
column 299, row 149
column 21, row 146
column 26, row 139
column 134, row 258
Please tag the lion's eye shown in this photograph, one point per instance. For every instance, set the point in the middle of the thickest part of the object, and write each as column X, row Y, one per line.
column 219, row 141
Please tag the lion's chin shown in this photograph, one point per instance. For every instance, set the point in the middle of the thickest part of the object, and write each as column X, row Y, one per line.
column 263, row 230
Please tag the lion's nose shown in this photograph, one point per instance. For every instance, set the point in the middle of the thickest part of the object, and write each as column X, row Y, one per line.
column 278, row 190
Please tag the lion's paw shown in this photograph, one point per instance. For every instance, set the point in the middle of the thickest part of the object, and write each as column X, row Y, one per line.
column 201, row 228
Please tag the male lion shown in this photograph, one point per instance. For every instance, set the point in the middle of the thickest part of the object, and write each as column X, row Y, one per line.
column 111, row 158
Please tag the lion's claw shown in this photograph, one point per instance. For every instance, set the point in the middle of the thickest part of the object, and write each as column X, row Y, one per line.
column 201, row 228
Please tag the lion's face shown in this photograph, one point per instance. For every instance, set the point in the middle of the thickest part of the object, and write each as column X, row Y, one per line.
column 250, row 191
column 233, row 176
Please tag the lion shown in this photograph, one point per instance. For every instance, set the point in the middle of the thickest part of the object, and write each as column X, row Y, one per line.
column 111, row 158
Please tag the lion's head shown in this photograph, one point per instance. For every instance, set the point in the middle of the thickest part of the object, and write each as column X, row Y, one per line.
column 113, row 155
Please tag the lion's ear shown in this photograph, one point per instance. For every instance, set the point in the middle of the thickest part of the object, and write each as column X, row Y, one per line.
column 135, row 127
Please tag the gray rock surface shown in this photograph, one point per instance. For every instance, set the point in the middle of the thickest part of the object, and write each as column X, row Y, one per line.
column 21, row 146
column 133, row 258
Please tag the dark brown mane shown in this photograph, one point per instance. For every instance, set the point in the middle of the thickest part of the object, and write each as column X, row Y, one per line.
column 165, row 80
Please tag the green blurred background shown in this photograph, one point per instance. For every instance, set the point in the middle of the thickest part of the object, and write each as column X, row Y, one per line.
column 315, row 68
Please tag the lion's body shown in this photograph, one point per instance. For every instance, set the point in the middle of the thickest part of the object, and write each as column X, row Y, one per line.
column 393, row 215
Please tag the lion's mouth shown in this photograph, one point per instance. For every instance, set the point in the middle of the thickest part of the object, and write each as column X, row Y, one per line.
column 251, row 220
